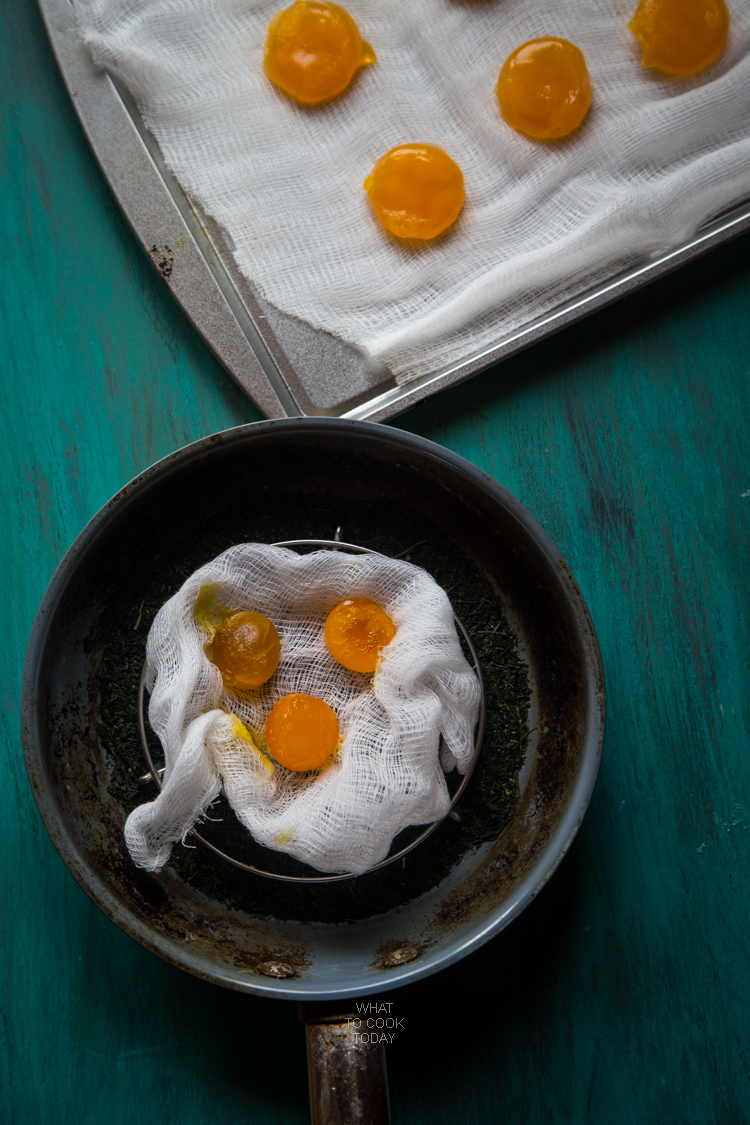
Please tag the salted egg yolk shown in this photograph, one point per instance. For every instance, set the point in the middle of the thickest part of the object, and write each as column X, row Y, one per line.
column 416, row 191
column 302, row 732
column 314, row 50
column 680, row 36
column 544, row 88
column 355, row 632
column 245, row 648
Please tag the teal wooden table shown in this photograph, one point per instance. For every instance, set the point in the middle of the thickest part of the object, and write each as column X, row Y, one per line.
column 621, row 996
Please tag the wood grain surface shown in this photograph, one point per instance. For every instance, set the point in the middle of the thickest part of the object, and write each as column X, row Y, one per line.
column 621, row 996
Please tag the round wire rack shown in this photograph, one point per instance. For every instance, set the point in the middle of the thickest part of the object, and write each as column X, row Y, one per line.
column 155, row 774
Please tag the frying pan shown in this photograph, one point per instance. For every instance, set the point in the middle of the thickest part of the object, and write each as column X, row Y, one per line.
column 330, row 467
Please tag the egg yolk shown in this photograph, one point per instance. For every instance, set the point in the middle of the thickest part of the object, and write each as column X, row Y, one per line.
column 246, row 649
column 302, row 732
column 680, row 36
column 355, row 632
column 544, row 88
column 314, row 50
column 416, row 191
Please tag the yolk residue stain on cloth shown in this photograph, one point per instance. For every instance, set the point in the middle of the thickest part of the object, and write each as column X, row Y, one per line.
column 313, row 51
column 416, row 191
column 302, row 732
column 241, row 733
column 680, row 37
column 246, row 650
column 544, row 88
column 355, row 631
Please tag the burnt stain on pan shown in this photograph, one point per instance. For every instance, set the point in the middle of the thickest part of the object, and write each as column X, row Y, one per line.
column 564, row 701
column 163, row 259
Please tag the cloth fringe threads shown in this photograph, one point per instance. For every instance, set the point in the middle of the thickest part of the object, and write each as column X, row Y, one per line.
column 655, row 158
column 390, row 769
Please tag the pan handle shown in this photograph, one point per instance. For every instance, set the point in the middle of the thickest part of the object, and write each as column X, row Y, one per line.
column 348, row 1083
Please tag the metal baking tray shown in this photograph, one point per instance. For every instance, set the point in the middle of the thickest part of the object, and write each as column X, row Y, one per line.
column 285, row 366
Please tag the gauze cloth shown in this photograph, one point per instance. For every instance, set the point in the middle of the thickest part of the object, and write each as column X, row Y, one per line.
column 400, row 728
column 542, row 222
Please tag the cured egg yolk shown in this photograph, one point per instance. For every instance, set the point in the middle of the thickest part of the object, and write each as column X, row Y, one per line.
column 246, row 649
column 302, row 732
column 416, row 191
column 544, row 88
column 355, row 632
column 314, row 50
column 680, row 36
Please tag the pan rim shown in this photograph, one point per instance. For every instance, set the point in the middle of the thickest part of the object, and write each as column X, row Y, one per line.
column 550, row 855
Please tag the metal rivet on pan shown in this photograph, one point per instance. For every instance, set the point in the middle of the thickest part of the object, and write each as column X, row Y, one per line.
column 400, row 956
column 275, row 969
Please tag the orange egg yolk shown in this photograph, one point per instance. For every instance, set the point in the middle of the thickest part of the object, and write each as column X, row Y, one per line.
column 680, row 36
column 416, row 191
column 314, row 50
column 544, row 88
column 245, row 648
column 355, row 632
column 302, row 732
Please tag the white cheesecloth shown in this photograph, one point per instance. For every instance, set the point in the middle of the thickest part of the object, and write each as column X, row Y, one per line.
column 389, row 772
column 655, row 157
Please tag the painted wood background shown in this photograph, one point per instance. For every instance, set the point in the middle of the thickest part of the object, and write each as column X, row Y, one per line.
column 622, row 995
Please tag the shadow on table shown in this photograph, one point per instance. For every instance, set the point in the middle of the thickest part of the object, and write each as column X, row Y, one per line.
column 588, row 346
